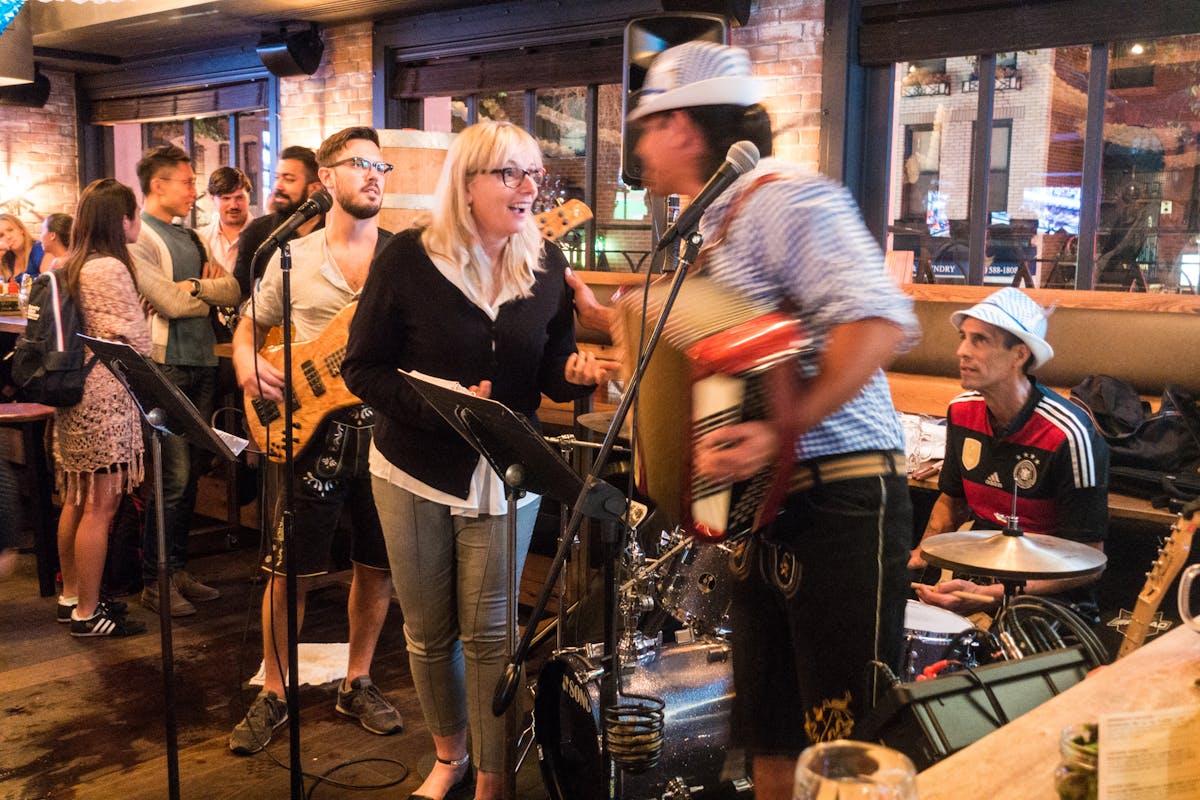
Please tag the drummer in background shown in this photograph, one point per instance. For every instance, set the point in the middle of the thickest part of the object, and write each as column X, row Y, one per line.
column 824, row 583
column 1009, row 433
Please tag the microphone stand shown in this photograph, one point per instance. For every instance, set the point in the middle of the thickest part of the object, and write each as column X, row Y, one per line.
column 289, row 500
column 292, row 692
column 506, row 688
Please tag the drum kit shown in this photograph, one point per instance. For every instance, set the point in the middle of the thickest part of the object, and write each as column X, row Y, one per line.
column 668, row 732
column 667, row 726
column 935, row 637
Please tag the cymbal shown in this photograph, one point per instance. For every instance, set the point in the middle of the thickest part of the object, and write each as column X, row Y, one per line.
column 1024, row 557
column 599, row 421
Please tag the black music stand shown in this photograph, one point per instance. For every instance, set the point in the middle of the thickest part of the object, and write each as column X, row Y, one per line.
column 527, row 463
column 165, row 410
column 506, row 439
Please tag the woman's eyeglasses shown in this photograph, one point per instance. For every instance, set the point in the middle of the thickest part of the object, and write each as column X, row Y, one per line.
column 513, row 177
column 364, row 164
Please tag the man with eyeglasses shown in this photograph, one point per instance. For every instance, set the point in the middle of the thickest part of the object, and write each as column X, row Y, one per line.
column 295, row 179
column 180, row 282
column 332, row 483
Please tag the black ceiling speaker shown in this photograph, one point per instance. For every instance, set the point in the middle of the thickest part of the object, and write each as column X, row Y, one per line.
column 645, row 38
column 290, row 54
column 31, row 95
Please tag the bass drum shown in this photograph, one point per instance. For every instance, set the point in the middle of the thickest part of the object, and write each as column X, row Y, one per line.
column 695, row 683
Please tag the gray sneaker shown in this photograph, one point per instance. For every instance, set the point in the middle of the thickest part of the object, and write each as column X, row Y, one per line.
column 366, row 703
column 253, row 733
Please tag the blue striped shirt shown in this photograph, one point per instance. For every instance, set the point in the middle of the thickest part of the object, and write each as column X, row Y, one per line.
column 801, row 244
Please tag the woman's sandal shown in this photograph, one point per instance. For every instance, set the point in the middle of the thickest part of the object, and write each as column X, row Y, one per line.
column 464, row 782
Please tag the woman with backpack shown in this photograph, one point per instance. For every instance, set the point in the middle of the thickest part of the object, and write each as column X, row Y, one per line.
column 98, row 443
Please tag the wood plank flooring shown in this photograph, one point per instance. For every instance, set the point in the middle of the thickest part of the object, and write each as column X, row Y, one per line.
column 84, row 718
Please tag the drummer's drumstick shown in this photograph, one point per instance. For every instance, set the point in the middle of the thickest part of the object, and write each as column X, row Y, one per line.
column 979, row 598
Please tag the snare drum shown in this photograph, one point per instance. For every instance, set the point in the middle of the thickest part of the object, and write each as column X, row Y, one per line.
column 929, row 632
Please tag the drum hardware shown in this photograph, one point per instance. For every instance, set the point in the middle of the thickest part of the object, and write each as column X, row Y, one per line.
column 1013, row 557
column 635, row 732
column 636, row 600
column 570, row 440
column 1009, row 646
column 694, row 683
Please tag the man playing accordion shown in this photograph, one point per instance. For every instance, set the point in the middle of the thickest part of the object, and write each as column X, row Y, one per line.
column 825, row 582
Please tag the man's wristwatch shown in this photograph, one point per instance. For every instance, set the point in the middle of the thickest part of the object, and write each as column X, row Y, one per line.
column 195, row 287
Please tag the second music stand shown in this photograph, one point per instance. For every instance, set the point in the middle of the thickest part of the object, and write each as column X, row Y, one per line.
column 165, row 410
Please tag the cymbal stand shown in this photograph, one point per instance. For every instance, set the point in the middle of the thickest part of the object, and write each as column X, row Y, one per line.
column 1012, row 587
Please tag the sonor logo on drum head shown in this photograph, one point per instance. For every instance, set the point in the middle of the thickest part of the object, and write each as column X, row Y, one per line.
column 574, row 691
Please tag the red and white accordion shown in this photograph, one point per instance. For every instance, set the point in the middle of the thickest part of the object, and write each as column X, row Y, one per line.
column 715, row 365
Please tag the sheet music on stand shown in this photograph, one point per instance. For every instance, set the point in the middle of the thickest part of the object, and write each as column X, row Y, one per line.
column 505, row 438
column 148, row 385
column 473, row 417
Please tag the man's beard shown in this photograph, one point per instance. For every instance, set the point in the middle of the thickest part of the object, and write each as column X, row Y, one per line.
column 359, row 209
column 284, row 206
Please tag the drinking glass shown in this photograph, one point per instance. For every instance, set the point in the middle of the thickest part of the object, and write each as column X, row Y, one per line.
column 845, row 770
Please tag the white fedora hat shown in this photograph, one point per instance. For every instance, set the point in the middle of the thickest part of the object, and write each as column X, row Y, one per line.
column 697, row 74
column 1016, row 312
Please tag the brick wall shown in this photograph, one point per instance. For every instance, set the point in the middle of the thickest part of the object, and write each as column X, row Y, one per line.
column 39, row 157
column 336, row 96
column 784, row 39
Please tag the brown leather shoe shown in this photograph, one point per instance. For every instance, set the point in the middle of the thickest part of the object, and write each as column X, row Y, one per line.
column 193, row 589
column 180, row 607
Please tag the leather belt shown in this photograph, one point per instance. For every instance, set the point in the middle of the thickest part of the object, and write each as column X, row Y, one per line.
column 808, row 474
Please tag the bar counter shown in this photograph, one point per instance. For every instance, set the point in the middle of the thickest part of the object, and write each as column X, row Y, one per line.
column 1017, row 762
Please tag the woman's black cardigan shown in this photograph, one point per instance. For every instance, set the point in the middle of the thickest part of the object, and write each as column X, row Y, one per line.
column 410, row 317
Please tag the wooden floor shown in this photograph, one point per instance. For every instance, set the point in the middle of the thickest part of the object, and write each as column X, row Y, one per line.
column 83, row 718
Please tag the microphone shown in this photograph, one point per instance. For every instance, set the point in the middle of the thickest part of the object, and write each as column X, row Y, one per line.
column 317, row 203
column 742, row 157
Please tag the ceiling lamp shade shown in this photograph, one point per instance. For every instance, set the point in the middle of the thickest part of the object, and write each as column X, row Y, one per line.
column 16, row 50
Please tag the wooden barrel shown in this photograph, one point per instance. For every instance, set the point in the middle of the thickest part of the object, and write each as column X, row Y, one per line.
column 418, row 156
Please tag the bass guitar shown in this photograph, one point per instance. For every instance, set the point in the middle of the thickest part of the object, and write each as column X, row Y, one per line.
column 317, row 389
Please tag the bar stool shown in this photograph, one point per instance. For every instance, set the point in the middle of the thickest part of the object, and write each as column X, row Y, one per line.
column 30, row 419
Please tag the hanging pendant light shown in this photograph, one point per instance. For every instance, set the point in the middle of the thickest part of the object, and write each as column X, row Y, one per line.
column 16, row 49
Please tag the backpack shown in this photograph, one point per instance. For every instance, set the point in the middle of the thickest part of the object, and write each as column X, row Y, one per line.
column 49, row 363
column 1151, row 455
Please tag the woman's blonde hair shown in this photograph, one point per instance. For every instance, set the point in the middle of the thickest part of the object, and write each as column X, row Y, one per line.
column 451, row 234
column 18, row 260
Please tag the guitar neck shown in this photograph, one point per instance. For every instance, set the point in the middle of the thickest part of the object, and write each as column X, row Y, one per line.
column 1168, row 563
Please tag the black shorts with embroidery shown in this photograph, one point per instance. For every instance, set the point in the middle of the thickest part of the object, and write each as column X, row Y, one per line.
column 806, row 623
column 334, row 504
